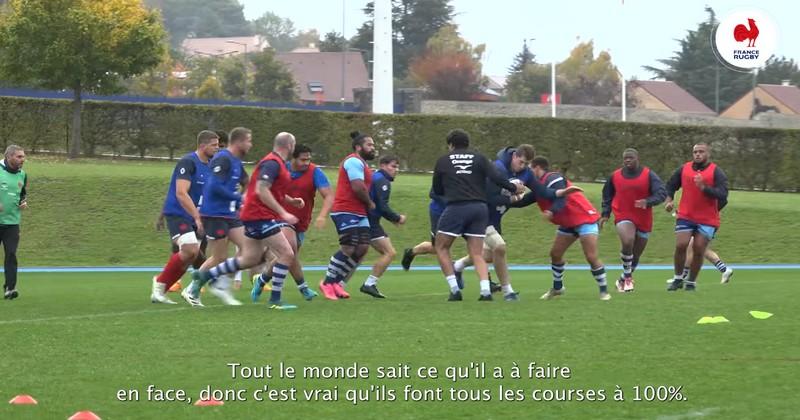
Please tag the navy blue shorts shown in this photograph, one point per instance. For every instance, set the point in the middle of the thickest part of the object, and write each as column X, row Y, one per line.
column 262, row 229
column 218, row 227
column 468, row 218
column 346, row 221
column 178, row 226
column 376, row 231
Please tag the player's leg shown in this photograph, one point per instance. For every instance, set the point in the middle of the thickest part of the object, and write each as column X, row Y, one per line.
column 714, row 258
column 10, row 238
column 589, row 234
column 422, row 248
column 188, row 246
column 561, row 243
column 639, row 246
column 296, row 269
column 221, row 287
column 683, row 234
column 496, row 250
column 626, row 230
column 284, row 250
column 442, row 245
column 386, row 253
column 702, row 238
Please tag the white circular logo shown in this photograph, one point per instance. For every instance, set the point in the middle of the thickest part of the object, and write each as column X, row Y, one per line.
column 745, row 39
column 183, row 171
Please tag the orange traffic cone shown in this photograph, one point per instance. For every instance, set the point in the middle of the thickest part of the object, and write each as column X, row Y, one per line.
column 203, row 403
column 84, row 415
column 23, row 400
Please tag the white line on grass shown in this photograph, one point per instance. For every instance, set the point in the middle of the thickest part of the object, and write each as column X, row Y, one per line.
column 100, row 315
column 692, row 414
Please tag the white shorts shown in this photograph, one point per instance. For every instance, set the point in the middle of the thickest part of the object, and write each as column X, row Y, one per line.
column 493, row 239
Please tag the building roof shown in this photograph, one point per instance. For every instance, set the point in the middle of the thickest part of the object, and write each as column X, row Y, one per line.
column 323, row 71
column 673, row 96
column 787, row 95
column 216, row 47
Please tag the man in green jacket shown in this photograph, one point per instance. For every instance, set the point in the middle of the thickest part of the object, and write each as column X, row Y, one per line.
column 13, row 181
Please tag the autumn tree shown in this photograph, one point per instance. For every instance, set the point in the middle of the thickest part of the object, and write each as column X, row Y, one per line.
column 81, row 45
column 450, row 67
column 584, row 79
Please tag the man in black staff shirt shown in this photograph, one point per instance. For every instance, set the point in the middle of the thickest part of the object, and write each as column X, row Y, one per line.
column 460, row 178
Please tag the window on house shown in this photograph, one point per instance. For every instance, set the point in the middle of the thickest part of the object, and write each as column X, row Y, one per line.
column 315, row 87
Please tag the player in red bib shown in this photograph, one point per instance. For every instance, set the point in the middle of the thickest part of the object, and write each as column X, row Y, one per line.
column 630, row 193
column 307, row 180
column 705, row 193
column 349, row 214
column 263, row 215
column 576, row 219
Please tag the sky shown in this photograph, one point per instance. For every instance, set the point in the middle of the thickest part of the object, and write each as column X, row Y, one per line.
column 635, row 32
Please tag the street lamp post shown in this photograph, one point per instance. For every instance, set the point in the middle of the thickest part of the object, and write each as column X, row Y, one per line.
column 244, row 61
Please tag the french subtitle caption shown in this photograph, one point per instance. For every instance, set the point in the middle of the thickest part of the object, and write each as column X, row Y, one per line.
column 512, row 383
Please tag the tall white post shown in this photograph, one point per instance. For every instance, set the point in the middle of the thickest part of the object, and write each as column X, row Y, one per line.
column 383, row 78
column 624, row 97
column 553, row 89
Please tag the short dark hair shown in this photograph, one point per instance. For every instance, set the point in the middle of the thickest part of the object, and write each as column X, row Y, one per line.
column 299, row 149
column 458, row 138
column 541, row 162
column 223, row 136
column 239, row 134
column 526, row 151
column 359, row 138
column 630, row 150
column 206, row 136
column 385, row 160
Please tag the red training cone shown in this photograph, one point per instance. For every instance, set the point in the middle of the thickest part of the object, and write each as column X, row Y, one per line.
column 23, row 400
column 84, row 415
column 203, row 403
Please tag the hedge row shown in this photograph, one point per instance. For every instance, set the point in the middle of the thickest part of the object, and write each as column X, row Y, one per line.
column 587, row 150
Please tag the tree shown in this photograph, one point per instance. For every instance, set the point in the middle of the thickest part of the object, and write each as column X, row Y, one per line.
column 272, row 81
column 776, row 70
column 696, row 69
column 278, row 31
column 210, row 89
column 157, row 81
column 202, row 18
column 82, row 45
column 528, row 84
column 522, row 59
column 586, row 80
column 450, row 68
column 305, row 39
column 333, row 42
column 414, row 23
column 232, row 76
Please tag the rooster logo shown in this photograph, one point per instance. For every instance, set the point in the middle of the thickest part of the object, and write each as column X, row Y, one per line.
column 741, row 32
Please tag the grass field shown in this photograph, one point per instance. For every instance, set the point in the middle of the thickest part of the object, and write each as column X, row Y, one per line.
column 73, row 340
column 89, row 213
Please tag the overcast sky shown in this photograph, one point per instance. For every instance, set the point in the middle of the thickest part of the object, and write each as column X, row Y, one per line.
column 635, row 32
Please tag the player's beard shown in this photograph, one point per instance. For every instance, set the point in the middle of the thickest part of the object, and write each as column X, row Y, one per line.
column 367, row 156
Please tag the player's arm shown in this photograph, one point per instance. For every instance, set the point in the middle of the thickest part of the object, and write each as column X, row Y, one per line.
column 355, row 174
column 658, row 193
column 183, row 182
column 267, row 172
column 221, row 169
column 437, row 187
column 382, row 200
column 556, row 181
column 674, row 184
column 526, row 200
column 23, row 194
column 720, row 188
column 608, row 196
column 497, row 178
column 324, row 189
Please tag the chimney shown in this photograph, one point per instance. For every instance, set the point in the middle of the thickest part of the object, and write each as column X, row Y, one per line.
column 786, row 82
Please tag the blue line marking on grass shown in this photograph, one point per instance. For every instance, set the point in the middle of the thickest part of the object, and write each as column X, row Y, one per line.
column 513, row 267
